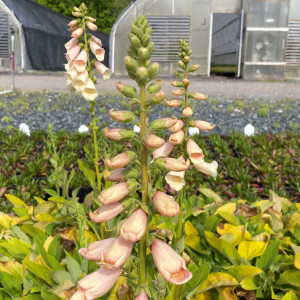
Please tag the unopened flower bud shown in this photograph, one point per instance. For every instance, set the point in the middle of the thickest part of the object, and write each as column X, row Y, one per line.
column 76, row 14
column 131, row 64
column 132, row 52
column 163, row 151
column 173, row 103
column 96, row 40
column 127, row 90
column 123, row 116
column 165, row 204
column 185, row 81
column 202, row 125
column 91, row 26
column 187, row 112
column 177, row 137
column 136, row 30
column 176, row 83
column 118, row 134
column 194, row 68
column 179, row 92
column 178, row 73
column 145, row 39
column 141, row 75
column 171, row 164
column 143, row 54
column 72, row 28
column 197, row 96
column 186, row 59
column 152, row 141
column 73, row 23
column 121, row 160
column 142, row 296
column 91, row 19
column 181, row 64
column 154, row 87
column 156, row 98
column 164, row 123
column 105, row 213
column 77, row 33
column 134, row 41
column 151, row 48
column 153, row 70
column 178, row 125
column 76, row 9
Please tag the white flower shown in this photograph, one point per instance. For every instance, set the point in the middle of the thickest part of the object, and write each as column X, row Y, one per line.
column 136, row 129
column 175, row 180
column 193, row 131
column 249, row 130
column 83, row 129
column 24, row 128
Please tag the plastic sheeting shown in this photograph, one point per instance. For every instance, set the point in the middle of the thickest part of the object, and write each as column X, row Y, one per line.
column 45, row 34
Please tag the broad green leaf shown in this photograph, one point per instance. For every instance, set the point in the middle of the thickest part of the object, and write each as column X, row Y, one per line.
column 264, row 205
column 251, row 249
column 54, row 263
column 34, row 232
column 215, row 280
column 229, row 217
column 224, row 247
column 268, row 257
column 5, row 220
column 251, row 283
column 192, row 238
column 35, row 296
column 212, row 222
column 13, row 268
column 15, row 201
column 87, row 171
column 39, row 200
column 293, row 222
column 10, row 282
column 38, row 270
column 20, row 234
column 199, row 275
column 44, row 208
column 210, row 194
column 61, row 200
column 21, row 212
column 61, row 276
column 15, row 246
column 290, row 296
column 49, row 295
column 45, row 218
column 297, row 261
column 64, row 290
column 291, row 277
column 73, row 268
column 243, row 271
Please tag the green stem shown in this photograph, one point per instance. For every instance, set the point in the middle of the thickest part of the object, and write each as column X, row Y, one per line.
column 144, row 169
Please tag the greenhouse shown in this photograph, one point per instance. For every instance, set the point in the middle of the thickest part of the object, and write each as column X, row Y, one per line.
column 39, row 36
column 253, row 38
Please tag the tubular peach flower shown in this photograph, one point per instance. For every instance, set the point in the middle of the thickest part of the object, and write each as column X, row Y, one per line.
column 89, row 92
column 91, row 26
column 98, row 283
column 194, row 151
column 78, row 32
column 198, row 96
column 80, row 61
column 71, row 75
column 72, row 53
column 116, row 254
column 173, row 103
column 153, row 141
column 76, row 14
column 175, row 180
column 73, row 23
column 72, row 28
column 163, row 151
column 71, row 43
column 203, row 125
column 121, row 174
column 169, row 264
column 164, row 123
column 178, row 92
column 188, row 111
column 80, row 82
column 91, row 19
column 177, row 137
column 142, row 296
column 103, row 70
column 165, row 204
column 135, row 226
column 208, row 168
column 117, row 192
column 95, row 249
column 172, row 164
column 122, row 115
column 121, row 160
column 96, row 40
column 178, row 125
column 106, row 212
column 97, row 51
column 118, row 134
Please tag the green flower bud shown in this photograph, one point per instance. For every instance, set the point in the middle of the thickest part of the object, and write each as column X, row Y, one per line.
column 127, row 90
column 133, row 101
column 160, row 163
column 127, row 203
column 145, row 39
column 132, row 185
column 176, row 83
column 141, row 75
column 185, row 81
column 132, row 52
column 186, row 59
column 134, row 41
column 131, row 64
column 164, row 123
column 148, row 30
column 151, row 48
column 136, row 30
column 132, row 75
column 153, row 70
column 193, row 68
column 156, row 98
column 192, row 123
column 131, row 173
column 154, row 87
column 178, row 73
column 126, row 134
column 123, row 116
column 143, row 55
column 148, row 62
column 197, row 96
column 181, row 64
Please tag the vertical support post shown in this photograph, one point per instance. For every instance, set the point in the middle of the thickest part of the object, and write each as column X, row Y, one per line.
column 210, row 44
column 12, row 33
column 240, row 45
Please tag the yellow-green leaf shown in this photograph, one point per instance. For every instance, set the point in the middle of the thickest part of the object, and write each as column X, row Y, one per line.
column 251, row 249
column 290, row 296
column 210, row 194
column 44, row 217
column 293, row 222
column 298, row 207
column 226, row 293
column 228, row 207
column 243, row 271
column 15, row 201
column 203, row 296
column 297, row 261
column 192, row 238
column 16, row 246
column 12, row 267
column 215, row 280
column 114, row 293
column 251, row 283
column 239, row 232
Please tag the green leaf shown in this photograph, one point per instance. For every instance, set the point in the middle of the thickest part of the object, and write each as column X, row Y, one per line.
column 210, row 194
column 15, row 246
column 243, row 271
column 224, row 247
column 291, row 277
column 290, row 296
column 49, row 295
column 73, row 267
column 212, row 222
column 199, row 275
column 20, row 234
column 10, row 282
column 36, row 296
column 251, row 283
column 16, row 201
column 61, row 200
column 38, row 270
column 269, row 256
column 54, row 263
column 61, row 276
column 54, row 248
column 87, row 171
column 34, row 232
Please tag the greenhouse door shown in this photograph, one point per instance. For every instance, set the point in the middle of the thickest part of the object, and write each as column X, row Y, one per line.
column 226, row 35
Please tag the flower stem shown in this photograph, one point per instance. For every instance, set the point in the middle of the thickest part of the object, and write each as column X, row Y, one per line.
column 144, row 169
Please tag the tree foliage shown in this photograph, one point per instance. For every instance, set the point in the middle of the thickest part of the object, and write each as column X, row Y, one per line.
column 106, row 12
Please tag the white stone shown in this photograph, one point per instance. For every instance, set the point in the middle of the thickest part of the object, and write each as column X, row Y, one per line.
column 83, row 129
column 249, row 130
column 193, row 131
column 24, row 128
column 136, row 129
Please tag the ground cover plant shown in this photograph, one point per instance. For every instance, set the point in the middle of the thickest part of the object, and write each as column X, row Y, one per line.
column 203, row 247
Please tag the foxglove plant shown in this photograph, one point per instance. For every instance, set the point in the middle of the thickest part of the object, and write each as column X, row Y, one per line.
column 132, row 194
